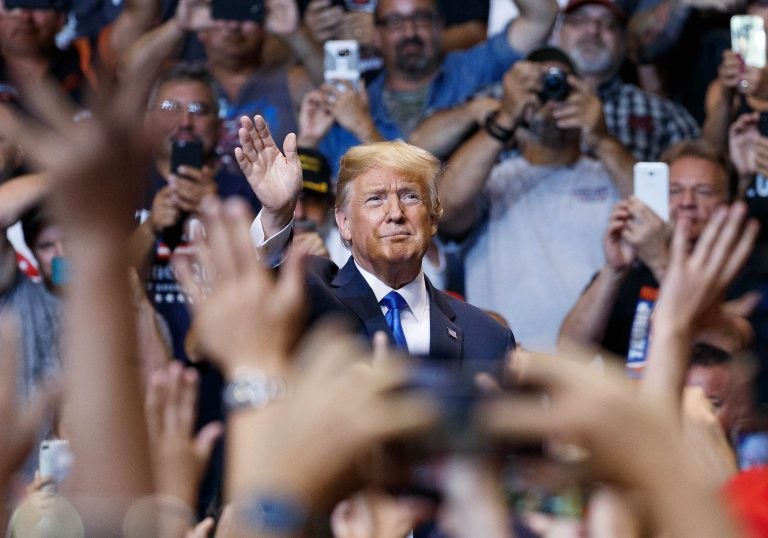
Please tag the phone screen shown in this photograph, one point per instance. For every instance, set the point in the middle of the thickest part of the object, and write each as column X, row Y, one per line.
column 342, row 62
column 748, row 39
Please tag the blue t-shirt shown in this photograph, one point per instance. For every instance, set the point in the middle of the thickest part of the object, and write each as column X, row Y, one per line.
column 460, row 76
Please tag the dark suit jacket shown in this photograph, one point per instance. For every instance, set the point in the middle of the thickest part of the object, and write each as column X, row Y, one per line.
column 457, row 330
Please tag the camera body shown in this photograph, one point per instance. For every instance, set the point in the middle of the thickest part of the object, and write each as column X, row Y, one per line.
column 554, row 85
column 238, row 10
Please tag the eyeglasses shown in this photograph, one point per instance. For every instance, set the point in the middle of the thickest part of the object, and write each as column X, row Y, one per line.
column 396, row 21
column 609, row 24
column 701, row 191
column 195, row 108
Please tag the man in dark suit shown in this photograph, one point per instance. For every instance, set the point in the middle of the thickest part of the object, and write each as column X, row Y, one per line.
column 387, row 210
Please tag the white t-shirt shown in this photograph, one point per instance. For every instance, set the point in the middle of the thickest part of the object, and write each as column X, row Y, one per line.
column 539, row 244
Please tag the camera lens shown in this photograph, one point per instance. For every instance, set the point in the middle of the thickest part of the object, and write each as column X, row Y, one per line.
column 554, row 85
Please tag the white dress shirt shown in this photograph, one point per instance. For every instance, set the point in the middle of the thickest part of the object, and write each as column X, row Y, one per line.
column 414, row 319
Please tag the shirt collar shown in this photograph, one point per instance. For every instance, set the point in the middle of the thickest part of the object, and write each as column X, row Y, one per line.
column 414, row 293
column 609, row 88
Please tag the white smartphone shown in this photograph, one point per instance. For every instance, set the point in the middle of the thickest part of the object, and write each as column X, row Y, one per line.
column 748, row 39
column 651, row 186
column 54, row 461
column 342, row 62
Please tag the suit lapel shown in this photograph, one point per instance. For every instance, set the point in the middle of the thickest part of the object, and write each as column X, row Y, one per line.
column 355, row 293
column 446, row 338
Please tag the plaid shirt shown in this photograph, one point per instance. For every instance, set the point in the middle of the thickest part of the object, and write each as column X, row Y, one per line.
column 645, row 123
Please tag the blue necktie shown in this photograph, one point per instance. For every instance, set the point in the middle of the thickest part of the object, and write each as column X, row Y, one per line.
column 395, row 303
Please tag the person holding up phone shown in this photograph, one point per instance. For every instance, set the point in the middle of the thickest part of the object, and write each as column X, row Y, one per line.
column 741, row 86
column 183, row 116
column 419, row 79
column 613, row 311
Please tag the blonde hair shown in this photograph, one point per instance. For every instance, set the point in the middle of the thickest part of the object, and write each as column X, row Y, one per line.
column 396, row 156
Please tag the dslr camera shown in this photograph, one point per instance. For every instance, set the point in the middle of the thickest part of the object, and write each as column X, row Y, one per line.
column 554, row 85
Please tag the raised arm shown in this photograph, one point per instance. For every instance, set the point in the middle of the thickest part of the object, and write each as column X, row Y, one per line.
column 694, row 285
column 441, row 132
column 275, row 177
column 534, row 24
column 657, row 29
column 583, row 110
column 468, row 169
column 586, row 322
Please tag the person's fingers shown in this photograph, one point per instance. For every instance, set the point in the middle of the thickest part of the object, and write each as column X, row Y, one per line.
column 706, row 241
column 741, row 252
column 679, row 249
column 218, row 241
column 173, row 397
column 380, row 347
column 238, row 219
column 187, row 412
column 723, row 246
column 263, row 140
column 155, row 401
column 202, row 529
column 206, row 439
column 290, row 149
column 182, row 268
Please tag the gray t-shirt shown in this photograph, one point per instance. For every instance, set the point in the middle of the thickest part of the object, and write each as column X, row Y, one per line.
column 37, row 310
column 539, row 244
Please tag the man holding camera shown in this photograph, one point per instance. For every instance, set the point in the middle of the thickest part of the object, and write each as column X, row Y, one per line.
column 538, row 217
column 417, row 79
column 595, row 36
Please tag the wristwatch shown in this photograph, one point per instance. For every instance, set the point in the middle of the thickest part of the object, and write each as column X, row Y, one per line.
column 498, row 132
column 253, row 389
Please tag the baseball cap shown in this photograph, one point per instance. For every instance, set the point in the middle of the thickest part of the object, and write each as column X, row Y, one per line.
column 315, row 172
column 548, row 53
column 612, row 6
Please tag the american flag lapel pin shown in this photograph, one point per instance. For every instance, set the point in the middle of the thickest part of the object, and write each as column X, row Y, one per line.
column 452, row 333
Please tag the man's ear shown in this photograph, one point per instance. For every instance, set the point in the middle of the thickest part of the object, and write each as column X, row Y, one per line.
column 343, row 224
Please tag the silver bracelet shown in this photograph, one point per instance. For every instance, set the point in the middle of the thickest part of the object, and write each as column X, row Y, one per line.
column 253, row 389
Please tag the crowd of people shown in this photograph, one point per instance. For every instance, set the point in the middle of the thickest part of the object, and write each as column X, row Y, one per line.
column 238, row 298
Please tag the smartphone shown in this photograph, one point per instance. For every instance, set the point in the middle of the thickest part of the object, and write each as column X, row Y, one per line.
column 342, row 62
column 748, row 39
column 60, row 270
column 54, row 462
column 59, row 5
column 238, row 10
column 186, row 151
column 369, row 6
column 651, row 186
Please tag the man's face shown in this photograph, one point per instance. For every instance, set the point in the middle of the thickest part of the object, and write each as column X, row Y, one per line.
column 723, row 390
column 29, row 31
column 47, row 246
column 312, row 209
column 594, row 39
column 387, row 220
column 696, row 187
column 408, row 35
column 184, row 106
column 232, row 41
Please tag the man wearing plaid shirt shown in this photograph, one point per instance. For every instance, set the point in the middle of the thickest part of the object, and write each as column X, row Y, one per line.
column 594, row 34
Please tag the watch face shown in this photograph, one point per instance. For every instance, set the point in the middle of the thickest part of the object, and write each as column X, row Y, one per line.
column 253, row 390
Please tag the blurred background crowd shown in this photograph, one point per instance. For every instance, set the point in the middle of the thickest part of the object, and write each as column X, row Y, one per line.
column 383, row 269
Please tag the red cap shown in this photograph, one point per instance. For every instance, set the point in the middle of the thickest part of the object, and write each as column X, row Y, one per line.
column 612, row 6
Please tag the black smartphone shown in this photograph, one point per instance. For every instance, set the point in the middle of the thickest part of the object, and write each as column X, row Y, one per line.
column 186, row 151
column 762, row 124
column 60, row 5
column 238, row 10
